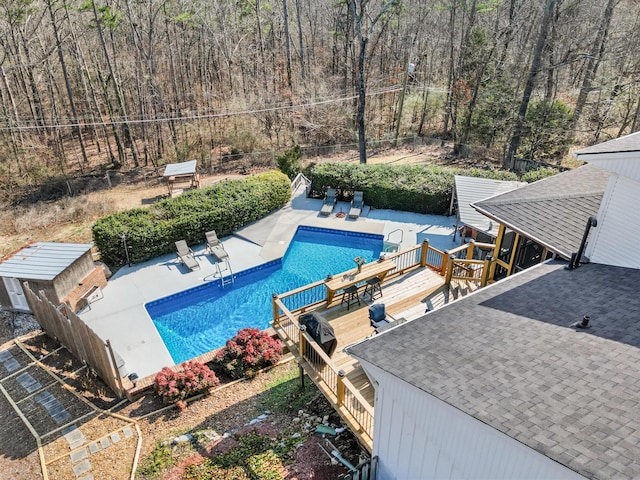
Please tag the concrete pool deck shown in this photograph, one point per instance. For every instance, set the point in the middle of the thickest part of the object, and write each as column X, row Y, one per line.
column 121, row 318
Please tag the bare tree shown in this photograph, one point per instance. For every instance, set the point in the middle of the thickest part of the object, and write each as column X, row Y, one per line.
column 514, row 143
column 365, row 24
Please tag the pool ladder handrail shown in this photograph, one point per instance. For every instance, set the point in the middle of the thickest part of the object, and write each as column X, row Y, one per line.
column 394, row 231
column 228, row 279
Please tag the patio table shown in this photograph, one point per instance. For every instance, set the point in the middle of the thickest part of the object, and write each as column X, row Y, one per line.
column 346, row 279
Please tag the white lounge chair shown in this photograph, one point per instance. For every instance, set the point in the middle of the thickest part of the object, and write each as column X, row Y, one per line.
column 357, row 204
column 215, row 246
column 329, row 202
column 186, row 255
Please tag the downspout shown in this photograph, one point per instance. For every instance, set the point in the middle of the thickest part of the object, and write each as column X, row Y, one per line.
column 577, row 257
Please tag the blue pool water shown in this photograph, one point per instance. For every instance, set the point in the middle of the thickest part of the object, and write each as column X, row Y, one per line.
column 203, row 318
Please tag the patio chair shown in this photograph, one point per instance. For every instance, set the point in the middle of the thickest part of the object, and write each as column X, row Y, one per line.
column 357, row 204
column 380, row 320
column 215, row 246
column 329, row 202
column 186, row 255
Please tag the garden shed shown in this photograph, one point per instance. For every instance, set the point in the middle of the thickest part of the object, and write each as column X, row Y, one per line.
column 65, row 272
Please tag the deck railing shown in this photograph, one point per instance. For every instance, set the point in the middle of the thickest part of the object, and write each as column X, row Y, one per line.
column 349, row 402
column 300, row 299
column 468, row 269
column 459, row 263
column 356, row 411
column 419, row 256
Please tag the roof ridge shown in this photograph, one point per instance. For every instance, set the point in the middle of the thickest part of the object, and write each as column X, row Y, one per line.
column 538, row 198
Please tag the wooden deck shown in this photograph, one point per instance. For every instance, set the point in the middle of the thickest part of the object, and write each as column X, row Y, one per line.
column 340, row 377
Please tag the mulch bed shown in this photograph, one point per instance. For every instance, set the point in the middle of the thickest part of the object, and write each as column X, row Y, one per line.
column 226, row 410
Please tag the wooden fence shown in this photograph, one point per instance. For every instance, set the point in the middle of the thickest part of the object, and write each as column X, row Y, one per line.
column 65, row 326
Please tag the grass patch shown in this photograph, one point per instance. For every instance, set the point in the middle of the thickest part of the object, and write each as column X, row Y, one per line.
column 158, row 461
column 285, row 394
column 252, row 459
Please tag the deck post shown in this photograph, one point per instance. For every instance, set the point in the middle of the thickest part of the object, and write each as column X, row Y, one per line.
column 470, row 247
column 276, row 310
column 449, row 269
column 301, row 373
column 485, row 271
column 340, row 388
column 424, row 252
column 301, row 341
column 445, row 261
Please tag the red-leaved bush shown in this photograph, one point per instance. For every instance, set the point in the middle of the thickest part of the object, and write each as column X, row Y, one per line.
column 249, row 351
column 192, row 379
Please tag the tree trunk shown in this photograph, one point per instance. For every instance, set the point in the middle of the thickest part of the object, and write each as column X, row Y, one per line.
column 76, row 129
column 509, row 161
column 452, row 68
column 287, row 41
column 300, row 40
column 592, row 68
column 360, row 12
column 126, row 129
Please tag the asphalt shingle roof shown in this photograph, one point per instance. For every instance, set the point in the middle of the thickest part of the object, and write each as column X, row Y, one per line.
column 628, row 143
column 508, row 356
column 553, row 211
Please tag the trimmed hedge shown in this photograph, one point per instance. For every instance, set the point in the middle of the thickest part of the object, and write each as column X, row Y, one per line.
column 222, row 207
column 412, row 188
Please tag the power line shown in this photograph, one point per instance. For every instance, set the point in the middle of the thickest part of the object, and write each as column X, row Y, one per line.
column 157, row 119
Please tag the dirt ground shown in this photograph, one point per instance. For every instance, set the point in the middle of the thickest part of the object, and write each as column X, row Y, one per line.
column 70, row 219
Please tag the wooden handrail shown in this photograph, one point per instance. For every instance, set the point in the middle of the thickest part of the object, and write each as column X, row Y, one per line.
column 301, row 289
column 358, row 396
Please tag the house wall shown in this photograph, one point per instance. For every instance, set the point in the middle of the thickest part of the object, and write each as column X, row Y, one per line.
column 626, row 164
column 46, row 286
column 417, row 436
column 615, row 239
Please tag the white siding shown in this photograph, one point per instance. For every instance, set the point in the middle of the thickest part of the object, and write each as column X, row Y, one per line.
column 616, row 238
column 417, row 436
column 626, row 164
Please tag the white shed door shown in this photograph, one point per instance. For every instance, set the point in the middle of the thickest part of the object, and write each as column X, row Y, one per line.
column 18, row 299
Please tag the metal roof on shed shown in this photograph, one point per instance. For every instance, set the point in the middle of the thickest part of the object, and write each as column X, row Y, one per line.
column 183, row 168
column 473, row 189
column 42, row 260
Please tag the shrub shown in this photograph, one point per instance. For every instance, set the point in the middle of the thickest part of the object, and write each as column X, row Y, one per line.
column 160, row 459
column 538, row 174
column 289, row 162
column 247, row 352
column 176, row 387
column 222, row 207
column 413, row 188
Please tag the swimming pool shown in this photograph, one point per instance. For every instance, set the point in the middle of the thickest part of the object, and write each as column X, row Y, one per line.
column 203, row 318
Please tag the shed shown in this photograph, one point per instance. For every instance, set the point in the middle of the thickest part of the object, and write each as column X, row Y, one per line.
column 468, row 190
column 65, row 272
column 180, row 173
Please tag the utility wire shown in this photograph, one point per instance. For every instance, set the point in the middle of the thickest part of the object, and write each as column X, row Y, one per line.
column 158, row 119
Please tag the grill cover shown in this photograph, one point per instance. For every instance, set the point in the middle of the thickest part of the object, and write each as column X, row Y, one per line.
column 320, row 330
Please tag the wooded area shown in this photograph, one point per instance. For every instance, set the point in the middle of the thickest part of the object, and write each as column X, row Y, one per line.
column 110, row 84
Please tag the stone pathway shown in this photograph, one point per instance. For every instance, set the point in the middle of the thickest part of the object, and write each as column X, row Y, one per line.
column 14, row 366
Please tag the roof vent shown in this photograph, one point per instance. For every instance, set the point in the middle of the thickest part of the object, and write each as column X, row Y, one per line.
column 584, row 324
